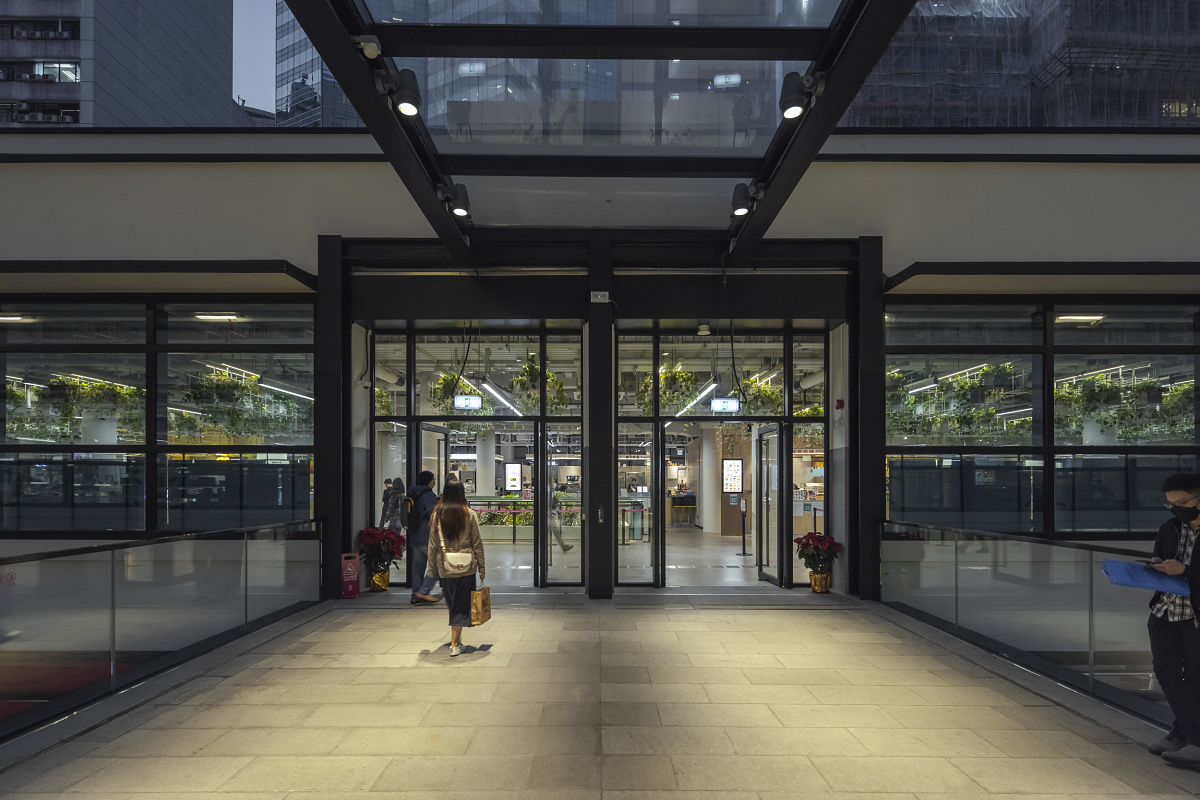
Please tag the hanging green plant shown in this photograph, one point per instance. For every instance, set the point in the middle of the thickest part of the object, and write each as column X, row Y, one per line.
column 233, row 405
column 526, row 390
column 676, row 389
column 815, row 411
column 384, row 407
column 14, row 398
column 441, row 398
column 762, row 399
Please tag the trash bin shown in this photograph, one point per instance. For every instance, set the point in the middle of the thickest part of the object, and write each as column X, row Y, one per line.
column 350, row 582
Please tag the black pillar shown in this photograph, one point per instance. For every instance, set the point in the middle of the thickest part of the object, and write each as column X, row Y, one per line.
column 331, row 471
column 599, row 440
column 867, row 420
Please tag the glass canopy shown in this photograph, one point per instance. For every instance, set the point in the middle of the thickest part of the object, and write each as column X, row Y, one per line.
column 694, row 13
column 600, row 107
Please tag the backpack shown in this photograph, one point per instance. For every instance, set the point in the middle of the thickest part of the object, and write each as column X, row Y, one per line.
column 412, row 513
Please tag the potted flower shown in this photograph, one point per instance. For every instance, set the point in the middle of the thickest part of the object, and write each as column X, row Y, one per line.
column 818, row 552
column 381, row 548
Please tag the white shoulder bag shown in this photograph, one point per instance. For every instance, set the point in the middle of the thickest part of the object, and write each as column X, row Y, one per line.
column 455, row 565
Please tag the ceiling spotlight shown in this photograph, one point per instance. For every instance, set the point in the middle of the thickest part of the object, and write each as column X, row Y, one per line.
column 741, row 200
column 703, row 331
column 792, row 96
column 408, row 94
column 460, row 201
column 370, row 46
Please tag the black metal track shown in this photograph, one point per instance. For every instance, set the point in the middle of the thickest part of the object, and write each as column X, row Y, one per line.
column 858, row 41
column 325, row 27
column 603, row 166
column 600, row 41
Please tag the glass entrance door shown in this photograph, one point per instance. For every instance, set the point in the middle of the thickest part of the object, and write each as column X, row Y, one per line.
column 767, row 505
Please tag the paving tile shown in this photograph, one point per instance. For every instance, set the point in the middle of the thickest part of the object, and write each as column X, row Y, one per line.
column 726, row 693
column 928, row 743
column 1039, row 775
column 144, row 743
column 436, row 773
column 696, row 675
column 808, row 676
column 962, row 696
column 636, row 740
column 627, row 674
column 542, row 740
column 975, row 718
column 640, row 772
column 624, row 714
column 829, row 716
column 162, row 774
column 757, row 773
column 547, row 693
column 796, row 741
column 906, row 774
column 755, row 715
column 564, row 772
column 368, row 715
column 245, row 716
column 1041, row 744
column 653, row 693
column 894, row 677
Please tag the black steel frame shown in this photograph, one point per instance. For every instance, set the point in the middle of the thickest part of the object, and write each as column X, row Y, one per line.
column 156, row 349
column 1044, row 313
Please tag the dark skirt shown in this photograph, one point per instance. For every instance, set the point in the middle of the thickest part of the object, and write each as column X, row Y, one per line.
column 458, row 598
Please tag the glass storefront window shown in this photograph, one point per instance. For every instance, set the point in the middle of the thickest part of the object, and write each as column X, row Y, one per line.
column 1002, row 493
column 1125, row 325
column 240, row 398
column 391, row 460
column 962, row 325
column 635, row 486
column 219, row 491
column 1102, row 492
column 1127, row 399
column 564, row 376
column 391, row 390
column 78, row 325
column 962, row 399
column 235, row 324
column 490, row 375
column 635, row 378
column 697, row 372
column 87, row 398
column 563, row 498
column 72, row 491
column 808, row 376
column 809, row 509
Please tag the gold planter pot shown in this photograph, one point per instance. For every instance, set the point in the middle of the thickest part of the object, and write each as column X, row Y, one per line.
column 379, row 581
column 820, row 581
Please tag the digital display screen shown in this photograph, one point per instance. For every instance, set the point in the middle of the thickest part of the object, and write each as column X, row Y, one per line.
column 512, row 477
column 731, row 475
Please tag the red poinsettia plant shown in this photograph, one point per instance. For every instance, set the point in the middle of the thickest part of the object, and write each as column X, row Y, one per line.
column 818, row 551
column 380, row 549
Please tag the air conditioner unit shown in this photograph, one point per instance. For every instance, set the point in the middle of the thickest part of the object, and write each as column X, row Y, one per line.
column 35, row 34
column 50, row 118
column 20, row 34
column 23, row 107
column 64, row 34
column 36, row 117
column 22, row 118
column 49, row 78
column 67, row 118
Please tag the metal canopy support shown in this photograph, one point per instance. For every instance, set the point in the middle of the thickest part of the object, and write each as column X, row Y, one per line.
column 616, row 42
column 856, row 45
column 329, row 34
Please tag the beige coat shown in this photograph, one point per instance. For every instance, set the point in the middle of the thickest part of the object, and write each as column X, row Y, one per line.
column 473, row 543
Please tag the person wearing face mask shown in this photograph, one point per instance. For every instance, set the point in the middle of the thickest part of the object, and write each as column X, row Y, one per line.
column 1174, row 624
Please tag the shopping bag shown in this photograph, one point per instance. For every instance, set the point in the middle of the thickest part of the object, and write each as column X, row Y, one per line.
column 481, row 606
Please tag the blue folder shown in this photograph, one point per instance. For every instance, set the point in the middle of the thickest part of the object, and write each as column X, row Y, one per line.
column 1139, row 576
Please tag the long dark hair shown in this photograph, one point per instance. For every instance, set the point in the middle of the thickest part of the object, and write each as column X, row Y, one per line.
column 452, row 512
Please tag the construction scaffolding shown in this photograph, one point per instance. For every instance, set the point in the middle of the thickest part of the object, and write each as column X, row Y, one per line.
column 1038, row 63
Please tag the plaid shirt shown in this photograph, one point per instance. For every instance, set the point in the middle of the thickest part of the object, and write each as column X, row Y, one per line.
column 1177, row 607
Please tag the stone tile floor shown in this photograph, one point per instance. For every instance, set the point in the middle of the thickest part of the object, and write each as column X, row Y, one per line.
column 592, row 700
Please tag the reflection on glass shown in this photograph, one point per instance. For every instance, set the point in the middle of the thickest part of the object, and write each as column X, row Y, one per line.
column 962, row 325
column 563, row 498
column 240, row 398
column 72, row 491
column 564, row 378
column 702, row 376
column 981, row 492
column 479, row 375
column 223, row 491
column 1122, row 648
column 808, row 376
column 391, row 392
column 705, row 13
column 917, row 569
column 391, row 461
column 635, row 376
column 635, row 504
column 64, row 324
column 238, row 323
column 282, row 568
column 86, row 398
column 809, row 509
column 1123, row 325
column 933, row 399
column 1130, row 399
column 515, row 105
column 1100, row 492
column 768, row 490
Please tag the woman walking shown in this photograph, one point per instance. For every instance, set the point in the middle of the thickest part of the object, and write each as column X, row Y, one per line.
column 456, row 551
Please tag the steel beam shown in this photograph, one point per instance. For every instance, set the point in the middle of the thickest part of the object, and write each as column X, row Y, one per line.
column 329, row 34
column 603, row 166
column 617, row 42
column 858, row 41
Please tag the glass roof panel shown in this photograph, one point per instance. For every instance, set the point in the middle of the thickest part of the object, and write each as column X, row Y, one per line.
column 599, row 202
column 694, row 13
column 601, row 107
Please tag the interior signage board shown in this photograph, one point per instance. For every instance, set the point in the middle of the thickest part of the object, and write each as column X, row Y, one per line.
column 725, row 404
column 470, row 68
column 468, row 402
column 512, row 477
column 725, row 81
column 731, row 475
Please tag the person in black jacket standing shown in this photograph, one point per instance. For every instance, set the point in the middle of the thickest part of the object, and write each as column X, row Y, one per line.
column 1174, row 624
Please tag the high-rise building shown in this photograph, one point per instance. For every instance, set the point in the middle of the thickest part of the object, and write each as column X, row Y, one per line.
column 118, row 63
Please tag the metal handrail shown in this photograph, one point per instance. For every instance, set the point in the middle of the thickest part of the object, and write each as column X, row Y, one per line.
column 1116, row 551
column 105, row 548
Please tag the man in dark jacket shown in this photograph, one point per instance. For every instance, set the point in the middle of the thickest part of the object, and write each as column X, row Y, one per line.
column 1173, row 626
column 425, row 499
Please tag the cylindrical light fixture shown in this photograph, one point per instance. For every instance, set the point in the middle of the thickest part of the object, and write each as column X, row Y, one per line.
column 741, row 200
column 408, row 94
column 703, row 331
column 460, row 201
column 792, row 96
